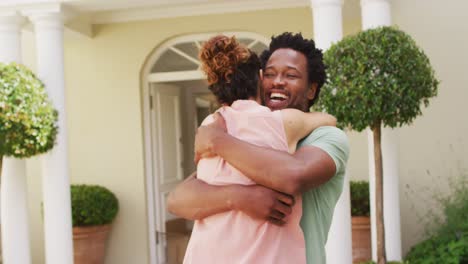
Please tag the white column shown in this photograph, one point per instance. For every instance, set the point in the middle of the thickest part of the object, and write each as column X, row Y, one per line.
column 49, row 29
column 328, row 22
column 339, row 244
column 14, row 198
column 10, row 37
column 328, row 29
column 377, row 13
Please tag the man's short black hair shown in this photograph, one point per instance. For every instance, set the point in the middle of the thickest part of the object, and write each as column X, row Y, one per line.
column 315, row 66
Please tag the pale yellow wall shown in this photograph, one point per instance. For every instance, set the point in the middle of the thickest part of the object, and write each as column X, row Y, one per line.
column 105, row 124
column 435, row 147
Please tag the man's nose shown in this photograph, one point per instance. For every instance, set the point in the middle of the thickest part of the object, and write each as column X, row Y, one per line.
column 279, row 80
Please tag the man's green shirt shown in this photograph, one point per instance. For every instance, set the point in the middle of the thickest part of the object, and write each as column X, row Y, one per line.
column 319, row 203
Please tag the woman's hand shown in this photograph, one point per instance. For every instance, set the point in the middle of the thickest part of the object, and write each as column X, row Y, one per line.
column 205, row 137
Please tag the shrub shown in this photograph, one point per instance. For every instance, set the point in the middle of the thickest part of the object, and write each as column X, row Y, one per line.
column 455, row 209
column 27, row 117
column 92, row 205
column 447, row 249
column 359, row 198
column 448, row 234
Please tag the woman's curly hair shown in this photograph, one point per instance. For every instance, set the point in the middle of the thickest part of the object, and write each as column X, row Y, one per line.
column 231, row 69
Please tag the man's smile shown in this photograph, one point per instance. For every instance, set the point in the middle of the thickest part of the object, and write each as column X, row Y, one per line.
column 278, row 96
column 276, row 100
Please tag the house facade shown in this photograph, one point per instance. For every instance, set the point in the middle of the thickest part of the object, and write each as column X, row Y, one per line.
column 124, row 76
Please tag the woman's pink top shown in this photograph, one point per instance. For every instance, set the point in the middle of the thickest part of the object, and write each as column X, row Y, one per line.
column 234, row 237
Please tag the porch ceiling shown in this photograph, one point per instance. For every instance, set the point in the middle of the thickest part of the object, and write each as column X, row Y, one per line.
column 85, row 13
column 110, row 11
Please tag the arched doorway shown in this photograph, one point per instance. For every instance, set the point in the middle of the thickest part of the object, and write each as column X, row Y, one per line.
column 175, row 100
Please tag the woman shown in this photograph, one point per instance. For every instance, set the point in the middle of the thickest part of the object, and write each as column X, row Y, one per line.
column 233, row 237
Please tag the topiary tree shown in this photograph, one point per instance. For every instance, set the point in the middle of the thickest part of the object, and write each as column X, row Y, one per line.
column 27, row 117
column 377, row 77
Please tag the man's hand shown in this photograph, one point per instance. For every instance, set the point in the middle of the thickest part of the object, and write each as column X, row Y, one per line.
column 194, row 199
column 205, row 135
column 262, row 203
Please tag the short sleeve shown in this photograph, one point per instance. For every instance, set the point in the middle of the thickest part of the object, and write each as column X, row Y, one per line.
column 333, row 141
column 208, row 120
column 319, row 203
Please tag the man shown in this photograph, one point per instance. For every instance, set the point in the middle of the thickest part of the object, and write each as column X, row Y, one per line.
column 293, row 73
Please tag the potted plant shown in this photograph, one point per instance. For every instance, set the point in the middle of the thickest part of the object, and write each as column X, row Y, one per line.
column 93, row 210
column 378, row 77
column 360, row 210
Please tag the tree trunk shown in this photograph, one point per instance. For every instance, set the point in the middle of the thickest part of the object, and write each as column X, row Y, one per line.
column 381, row 255
column 1, row 164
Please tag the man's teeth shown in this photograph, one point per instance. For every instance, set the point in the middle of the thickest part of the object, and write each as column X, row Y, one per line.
column 278, row 96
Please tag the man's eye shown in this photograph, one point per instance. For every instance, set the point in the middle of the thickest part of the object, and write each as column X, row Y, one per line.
column 269, row 75
column 291, row 76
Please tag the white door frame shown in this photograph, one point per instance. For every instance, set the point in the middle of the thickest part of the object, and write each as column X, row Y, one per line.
column 146, row 78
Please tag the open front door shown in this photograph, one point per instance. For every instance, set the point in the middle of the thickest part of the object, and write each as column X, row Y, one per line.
column 168, row 156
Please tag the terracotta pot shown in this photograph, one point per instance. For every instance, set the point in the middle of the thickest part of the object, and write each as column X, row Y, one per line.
column 362, row 249
column 89, row 244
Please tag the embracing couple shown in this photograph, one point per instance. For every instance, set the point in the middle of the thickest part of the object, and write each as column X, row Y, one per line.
column 269, row 172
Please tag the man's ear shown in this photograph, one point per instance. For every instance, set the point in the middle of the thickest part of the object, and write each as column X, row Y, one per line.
column 261, row 74
column 311, row 91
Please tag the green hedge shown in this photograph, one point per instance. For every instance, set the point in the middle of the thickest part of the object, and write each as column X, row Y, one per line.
column 93, row 205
